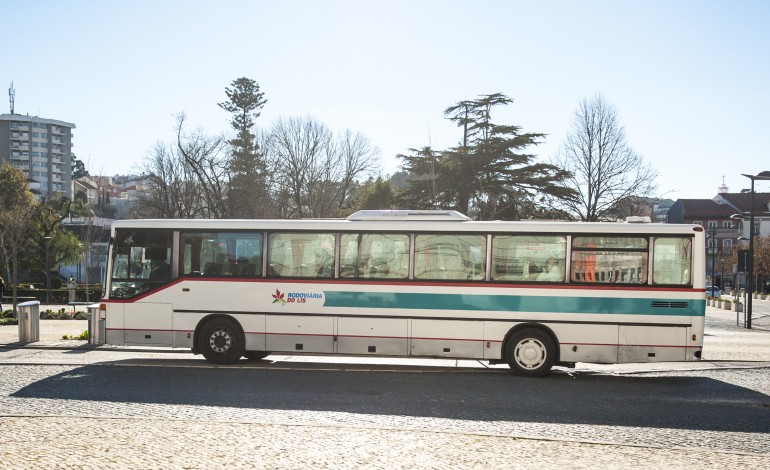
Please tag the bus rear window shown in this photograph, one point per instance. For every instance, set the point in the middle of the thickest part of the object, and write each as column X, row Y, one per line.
column 672, row 258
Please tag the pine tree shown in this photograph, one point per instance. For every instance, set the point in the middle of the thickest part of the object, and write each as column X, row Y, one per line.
column 489, row 175
column 248, row 190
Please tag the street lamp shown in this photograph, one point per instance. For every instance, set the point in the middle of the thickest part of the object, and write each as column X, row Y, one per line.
column 763, row 176
column 743, row 265
column 712, row 250
column 47, row 271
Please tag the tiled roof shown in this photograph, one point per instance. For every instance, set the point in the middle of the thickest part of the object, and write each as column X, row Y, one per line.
column 742, row 201
column 705, row 207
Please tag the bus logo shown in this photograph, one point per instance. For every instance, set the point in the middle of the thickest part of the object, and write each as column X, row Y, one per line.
column 295, row 297
column 278, row 297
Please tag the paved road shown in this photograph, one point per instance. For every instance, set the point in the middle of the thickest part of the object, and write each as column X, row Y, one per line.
column 68, row 404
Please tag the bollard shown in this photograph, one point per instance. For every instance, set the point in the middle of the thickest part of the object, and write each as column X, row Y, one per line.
column 96, row 325
column 29, row 322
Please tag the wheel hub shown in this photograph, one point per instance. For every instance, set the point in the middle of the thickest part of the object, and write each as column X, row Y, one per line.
column 220, row 341
column 530, row 353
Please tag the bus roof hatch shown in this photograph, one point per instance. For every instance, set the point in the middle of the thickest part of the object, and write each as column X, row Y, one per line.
column 409, row 215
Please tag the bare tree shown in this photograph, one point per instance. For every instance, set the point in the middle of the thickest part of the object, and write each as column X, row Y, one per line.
column 206, row 158
column 316, row 171
column 174, row 190
column 358, row 157
column 761, row 262
column 605, row 170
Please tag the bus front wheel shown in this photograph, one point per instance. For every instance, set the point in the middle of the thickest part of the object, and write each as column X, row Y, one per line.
column 530, row 352
column 221, row 341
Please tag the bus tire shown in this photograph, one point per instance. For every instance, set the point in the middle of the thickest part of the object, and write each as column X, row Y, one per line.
column 256, row 355
column 221, row 341
column 530, row 352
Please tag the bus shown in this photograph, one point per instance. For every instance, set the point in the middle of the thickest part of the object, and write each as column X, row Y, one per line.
column 404, row 283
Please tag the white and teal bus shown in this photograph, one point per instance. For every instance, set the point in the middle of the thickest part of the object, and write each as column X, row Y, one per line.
column 410, row 284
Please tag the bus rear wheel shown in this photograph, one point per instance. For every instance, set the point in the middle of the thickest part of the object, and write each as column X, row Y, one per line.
column 530, row 352
column 221, row 341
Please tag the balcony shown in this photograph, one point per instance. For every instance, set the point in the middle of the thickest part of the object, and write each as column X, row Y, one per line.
column 723, row 232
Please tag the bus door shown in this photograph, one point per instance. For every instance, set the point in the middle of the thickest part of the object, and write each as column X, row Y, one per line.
column 140, row 269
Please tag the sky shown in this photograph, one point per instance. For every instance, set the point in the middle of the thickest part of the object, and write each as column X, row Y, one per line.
column 690, row 79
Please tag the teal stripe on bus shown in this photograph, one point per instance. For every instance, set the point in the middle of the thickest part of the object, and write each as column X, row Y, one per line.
column 515, row 303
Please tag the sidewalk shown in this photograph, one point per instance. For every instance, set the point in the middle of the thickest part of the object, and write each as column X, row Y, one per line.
column 51, row 331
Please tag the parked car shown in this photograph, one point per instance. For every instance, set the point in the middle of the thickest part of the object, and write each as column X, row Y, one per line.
column 713, row 291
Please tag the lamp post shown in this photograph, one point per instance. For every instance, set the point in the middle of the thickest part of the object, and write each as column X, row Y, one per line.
column 744, row 265
column 763, row 176
column 712, row 250
column 47, row 271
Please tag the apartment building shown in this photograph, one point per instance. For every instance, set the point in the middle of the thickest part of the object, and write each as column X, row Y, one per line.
column 41, row 148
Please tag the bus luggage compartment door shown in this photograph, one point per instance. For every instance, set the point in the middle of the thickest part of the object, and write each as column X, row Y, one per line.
column 447, row 338
column 299, row 333
column 381, row 336
column 652, row 343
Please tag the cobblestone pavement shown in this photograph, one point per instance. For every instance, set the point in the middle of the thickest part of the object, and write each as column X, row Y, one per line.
column 65, row 404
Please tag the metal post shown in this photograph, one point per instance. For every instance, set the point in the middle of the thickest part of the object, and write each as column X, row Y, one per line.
column 762, row 176
column 47, row 271
column 750, row 280
column 712, row 249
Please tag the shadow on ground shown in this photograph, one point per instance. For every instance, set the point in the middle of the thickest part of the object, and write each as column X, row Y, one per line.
column 694, row 403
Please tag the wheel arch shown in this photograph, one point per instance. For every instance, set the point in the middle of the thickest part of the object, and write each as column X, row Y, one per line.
column 524, row 326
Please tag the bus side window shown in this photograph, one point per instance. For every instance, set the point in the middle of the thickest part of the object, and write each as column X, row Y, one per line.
column 450, row 257
column 301, row 255
column 374, row 256
column 539, row 258
column 219, row 254
column 609, row 260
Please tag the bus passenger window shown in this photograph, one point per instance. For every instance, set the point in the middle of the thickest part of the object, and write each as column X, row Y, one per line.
column 450, row 257
column 539, row 258
column 300, row 255
column 374, row 256
column 221, row 254
column 609, row 260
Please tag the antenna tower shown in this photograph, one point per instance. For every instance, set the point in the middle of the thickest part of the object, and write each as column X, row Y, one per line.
column 11, row 96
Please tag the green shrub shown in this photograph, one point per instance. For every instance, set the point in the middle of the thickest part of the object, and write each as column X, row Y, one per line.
column 9, row 321
column 82, row 337
column 61, row 314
